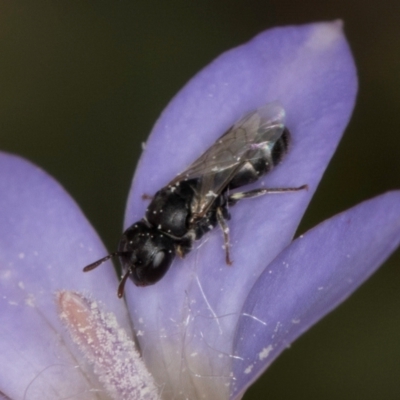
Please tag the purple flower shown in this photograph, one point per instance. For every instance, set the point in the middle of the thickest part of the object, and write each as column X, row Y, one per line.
column 205, row 330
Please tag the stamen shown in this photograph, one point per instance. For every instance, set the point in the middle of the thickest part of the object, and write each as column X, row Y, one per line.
column 114, row 357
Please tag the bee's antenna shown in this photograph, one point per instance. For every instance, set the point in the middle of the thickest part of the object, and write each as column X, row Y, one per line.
column 102, row 260
column 121, row 285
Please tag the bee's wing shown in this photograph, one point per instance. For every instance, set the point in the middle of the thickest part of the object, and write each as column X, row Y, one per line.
column 242, row 142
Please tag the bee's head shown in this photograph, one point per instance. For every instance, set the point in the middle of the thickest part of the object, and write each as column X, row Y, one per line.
column 145, row 255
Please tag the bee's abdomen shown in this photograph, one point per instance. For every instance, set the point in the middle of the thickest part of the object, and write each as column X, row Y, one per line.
column 281, row 147
column 266, row 159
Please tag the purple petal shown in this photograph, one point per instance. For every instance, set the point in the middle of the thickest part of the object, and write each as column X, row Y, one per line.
column 310, row 71
column 309, row 279
column 45, row 242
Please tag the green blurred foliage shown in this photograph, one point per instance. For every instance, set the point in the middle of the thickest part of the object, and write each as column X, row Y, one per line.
column 82, row 83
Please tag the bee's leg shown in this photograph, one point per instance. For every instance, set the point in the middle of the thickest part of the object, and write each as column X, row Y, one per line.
column 146, row 196
column 235, row 197
column 225, row 230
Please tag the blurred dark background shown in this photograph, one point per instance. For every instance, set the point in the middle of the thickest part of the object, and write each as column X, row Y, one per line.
column 82, row 83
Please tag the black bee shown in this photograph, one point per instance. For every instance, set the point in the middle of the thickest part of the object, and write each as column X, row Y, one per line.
column 198, row 199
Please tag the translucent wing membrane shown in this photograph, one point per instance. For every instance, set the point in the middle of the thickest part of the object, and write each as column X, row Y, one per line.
column 254, row 134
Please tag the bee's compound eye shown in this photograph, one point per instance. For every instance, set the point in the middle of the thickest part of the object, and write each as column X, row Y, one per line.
column 154, row 270
column 158, row 266
column 158, row 259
